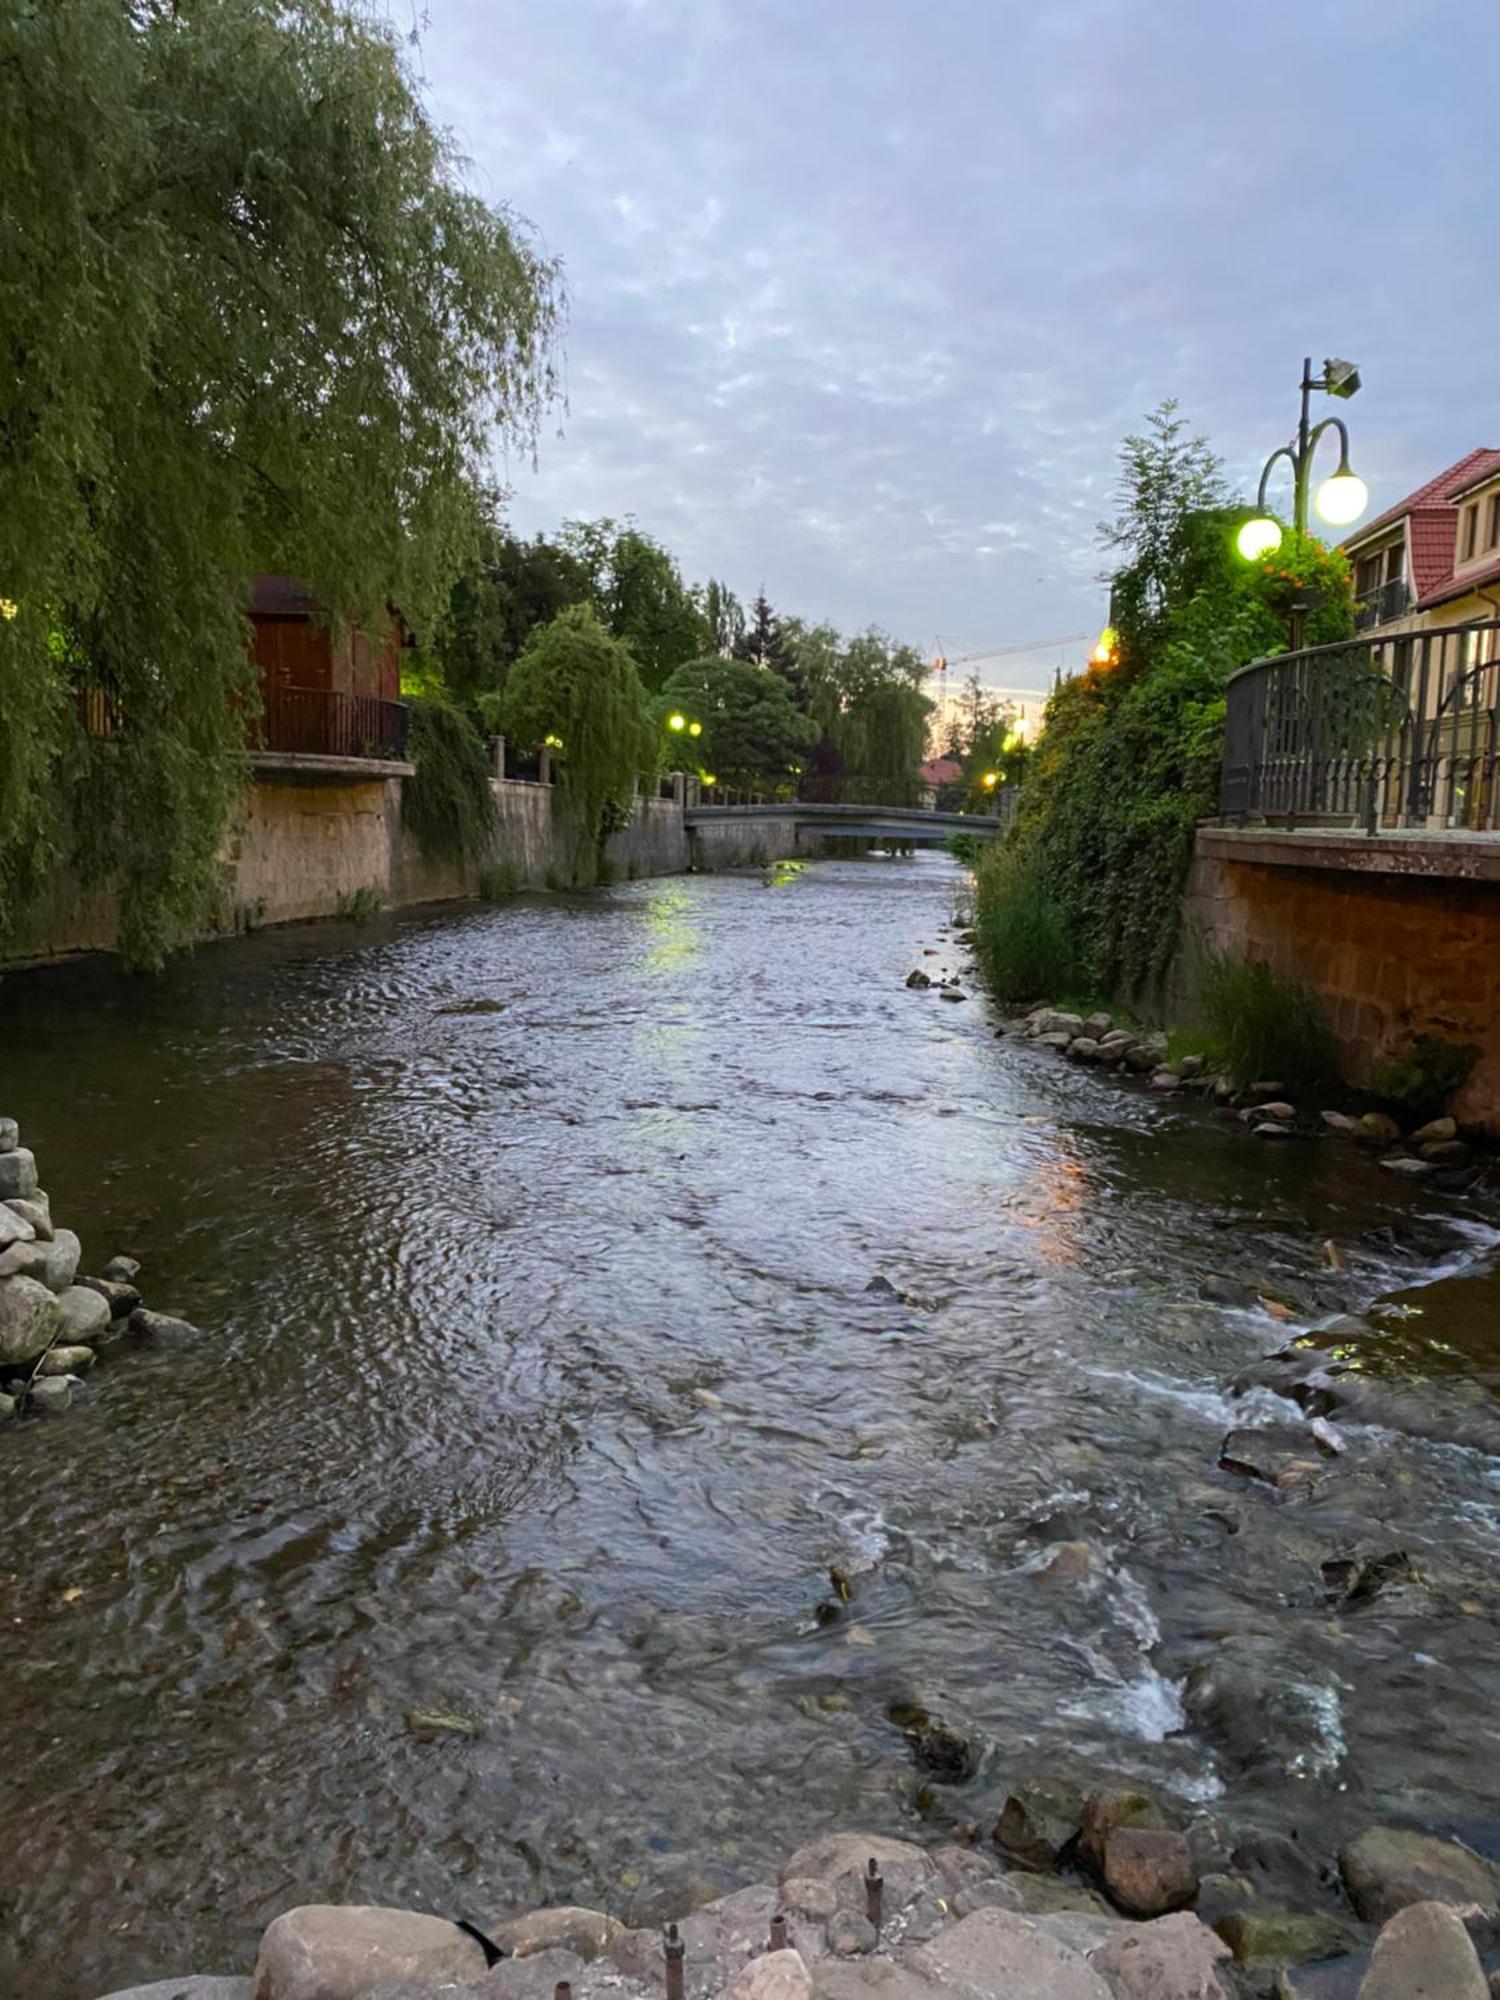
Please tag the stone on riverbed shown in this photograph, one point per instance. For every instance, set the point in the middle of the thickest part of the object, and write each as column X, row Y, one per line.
column 1379, row 1130
column 1040, row 1820
column 1408, row 1168
column 321, row 1951
column 82, row 1313
column 53, row 1393
column 1435, row 1130
column 10, row 1135
column 586, row 1933
column 1109, row 1807
column 1341, row 1123
column 66, row 1361
column 14, row 1228
column 1149, row 1871
column 775, row 1975
column 147, row 1325
column 28, row 1320
column 18, row 1181
column 122, row 1270
column 1271, row 1452
column 24, row 1260
column 1174, row 1958
column 205, row 1987
column 1283, row 1937
column 1424, row 1953
column 997, row 1953
column 1083, row 1048
column 63, row 1253
column 37, row 1211
column 121, row 1298
column 1386, row 1867
column 839, row 1860
column 1052, row 1021
column 917, row 977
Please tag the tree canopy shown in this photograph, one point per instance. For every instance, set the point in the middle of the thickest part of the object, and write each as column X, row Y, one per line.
column 250, row 318
column 752, row 728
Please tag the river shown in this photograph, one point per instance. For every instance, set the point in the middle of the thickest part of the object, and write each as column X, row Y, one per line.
column 583, row 1281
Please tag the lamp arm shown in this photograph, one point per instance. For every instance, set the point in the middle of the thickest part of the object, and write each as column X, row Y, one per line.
column 1330, row 424
column 1285, row 451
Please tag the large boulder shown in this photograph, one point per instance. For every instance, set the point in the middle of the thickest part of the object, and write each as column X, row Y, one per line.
column 324, row 1952
column 1150, row 1871
column 1052, row 1021
column 203, row 1987
column 1108, row 1807
column 37, row 1211
column 775, row 1975
column 839, row 1861
column 1174, row 1958
column 1002, row 1956
column 28, row 1320
column 14, row 1227
column 584, row 1932
column 1386, row 1868
column 63, row 1253
column 535, row 1977
column 1040, row 1819
column 18, row 1181
column 24, row 1260
column 82, row 1313
column 1283, row 1937
column 1424, row 1953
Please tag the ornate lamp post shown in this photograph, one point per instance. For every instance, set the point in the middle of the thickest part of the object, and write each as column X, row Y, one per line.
column 1341, row 498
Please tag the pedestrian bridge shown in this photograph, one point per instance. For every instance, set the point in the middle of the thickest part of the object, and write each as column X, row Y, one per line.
column 914, row 825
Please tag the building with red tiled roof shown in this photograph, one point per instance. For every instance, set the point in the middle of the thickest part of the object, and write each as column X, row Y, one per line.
column 1434, row 558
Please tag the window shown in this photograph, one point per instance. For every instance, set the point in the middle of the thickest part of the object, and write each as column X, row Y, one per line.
column 1469, row 532
column 1393, row 557
column 1367, row 576
column 1492, row 528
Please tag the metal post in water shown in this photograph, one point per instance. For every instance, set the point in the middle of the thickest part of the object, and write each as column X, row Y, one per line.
column 778, row 1932
column 563, row 1990
column 874, row 1893
column 673, row 1950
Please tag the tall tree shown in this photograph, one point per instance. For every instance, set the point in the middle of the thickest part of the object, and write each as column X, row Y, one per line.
column 752, row 729
column 722, row 613
column 764, row 644
column 498, row 602
column 1166, row 475
column 250, row 318
column 638, row 591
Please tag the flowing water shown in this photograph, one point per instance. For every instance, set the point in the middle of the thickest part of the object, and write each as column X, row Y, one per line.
column 581, row 1283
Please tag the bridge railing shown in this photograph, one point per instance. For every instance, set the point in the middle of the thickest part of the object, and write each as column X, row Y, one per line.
column 1394, row 732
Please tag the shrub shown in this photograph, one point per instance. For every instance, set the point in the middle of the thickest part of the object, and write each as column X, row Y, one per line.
column 498, row 879
column 360, row 906
column 448, row 803
column 1025, row 952
column 1422, row 1077
column 1262, row 1025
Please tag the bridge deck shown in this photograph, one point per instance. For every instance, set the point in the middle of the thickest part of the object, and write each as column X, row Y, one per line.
column 912, row 823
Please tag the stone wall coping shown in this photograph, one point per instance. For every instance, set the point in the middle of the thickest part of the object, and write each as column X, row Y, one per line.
column 1432, row 853
column 312, row 764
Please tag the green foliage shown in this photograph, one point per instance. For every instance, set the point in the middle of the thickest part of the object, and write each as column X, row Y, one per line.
column 498, row 879
column 249, row 319
column 968, row 848
column 752, row 727
column 361, row 906
column 1260, row 1025
column 1025, row 952
column 1165, row 478
column 497, row 603
column 448, row 803
column 865, row 693
column 722, row 613
column 1424, row 1075
column 638, row 592
column 576, row 682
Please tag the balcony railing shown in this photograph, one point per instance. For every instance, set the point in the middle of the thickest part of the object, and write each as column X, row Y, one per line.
column 1370, row 733
column 321, row 722
column 1382, row 605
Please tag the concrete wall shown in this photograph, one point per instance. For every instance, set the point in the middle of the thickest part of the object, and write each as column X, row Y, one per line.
column 745, row 843
column 1398, row 936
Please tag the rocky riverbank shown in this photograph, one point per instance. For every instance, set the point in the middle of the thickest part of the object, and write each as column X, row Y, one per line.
column 1104, row 1896
column 55, row 1322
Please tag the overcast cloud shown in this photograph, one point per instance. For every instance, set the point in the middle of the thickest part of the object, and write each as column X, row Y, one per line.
column 864, row 293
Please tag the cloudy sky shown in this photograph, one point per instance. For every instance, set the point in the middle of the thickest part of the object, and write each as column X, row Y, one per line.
column 864, row 293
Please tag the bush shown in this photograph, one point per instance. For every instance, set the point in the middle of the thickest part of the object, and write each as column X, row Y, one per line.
column 1424, row 1075
column 1261, row 1025
column 498, row 879
column 448, row 803
column 361, row 906
column 1025, row 952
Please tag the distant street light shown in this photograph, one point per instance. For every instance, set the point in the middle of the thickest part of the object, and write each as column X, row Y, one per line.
column 681, row 725
column 1341, row 498
column 990, row 780
column 677, row 722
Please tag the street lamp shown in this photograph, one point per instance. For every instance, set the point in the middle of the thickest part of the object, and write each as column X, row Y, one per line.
column 1341, row 498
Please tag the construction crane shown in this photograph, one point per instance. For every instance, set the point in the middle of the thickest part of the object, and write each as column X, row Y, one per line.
column 941, row 662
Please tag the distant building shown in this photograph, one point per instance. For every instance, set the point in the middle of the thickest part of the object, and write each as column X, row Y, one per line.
column 324, row 694
column 1434, row 558
column 934, row 774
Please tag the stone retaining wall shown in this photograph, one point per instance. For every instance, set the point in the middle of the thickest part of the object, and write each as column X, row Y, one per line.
column 1398, row 936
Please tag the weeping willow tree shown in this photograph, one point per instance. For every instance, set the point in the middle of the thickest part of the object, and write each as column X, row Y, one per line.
column 575, row 687
column 250, row 319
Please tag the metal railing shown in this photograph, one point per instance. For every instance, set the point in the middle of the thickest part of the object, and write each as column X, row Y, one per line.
column 1383, row 604
column 322, row 722
column 1372, row 733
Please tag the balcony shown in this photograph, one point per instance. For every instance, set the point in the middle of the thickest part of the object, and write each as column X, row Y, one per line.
column 1382, row 605
column 325, row 732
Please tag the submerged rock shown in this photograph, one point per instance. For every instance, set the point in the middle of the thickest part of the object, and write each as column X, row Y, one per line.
column 121, row 1270
column 53, row 1393
column 1270, row 1452
column 1387, row 1867
column 161, row 1326
column 917, row 977
column 1283, row 1936
column 940, row 1749
column 1040, row 1820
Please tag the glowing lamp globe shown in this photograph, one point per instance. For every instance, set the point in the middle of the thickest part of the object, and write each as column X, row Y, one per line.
column 695, row 729
column 677, row 722
column 990, row 780
column 1342, row 499
column 1259, row 537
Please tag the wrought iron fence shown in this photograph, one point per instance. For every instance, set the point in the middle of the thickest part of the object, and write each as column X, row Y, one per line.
column 322, row 722
column 1384, row 732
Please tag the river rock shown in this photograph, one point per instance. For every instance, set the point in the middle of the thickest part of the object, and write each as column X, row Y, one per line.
column 1002, row 1956
column 14, row 1228
column 53, row 1393
column 1408, row 1168
column 1434, row 1131
column 7, row 1407
column 1444, row 1152
column 1386, row 1867
column 66, row 1361
column 204, row 1987
column 37, row 1211
column 1190, row 1068
column 1341, row 1124
column 838, row 1860
column 1174, row 1958
column 1040, row 1820
column 1109, row 1055
column 849, row 1933
column 82, row 1313
column 586, row 1933
column 146, row 1325
column 1269, row 1451
column 1379, row 1130
column 533, row 1978
column 1051, row 1021
column 1062, row 1043
column 941, row 1749
column 24, row 1260
column 775, row 1975
column 1265, row 1128
column 917, row 977
column 1164, row 1082
column 1260, row 1718
column 321, row 1951
column 28, row 1320
column 1283, row 1937
column 1083, row 1048
column 1149, row 1871
column 10, row 1135
column 18, row 1181
column 1108, row 1807
column 122, row 1270
column 814, row 1900
column 952, row 993
column 63, row 1253
column 1424, row 1953
column 121, row 1298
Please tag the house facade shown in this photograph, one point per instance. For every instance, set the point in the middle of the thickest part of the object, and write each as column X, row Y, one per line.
column 1434, row 558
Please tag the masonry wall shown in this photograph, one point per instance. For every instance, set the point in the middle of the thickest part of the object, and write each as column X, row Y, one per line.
column 1397, row 937
column 745, row 843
